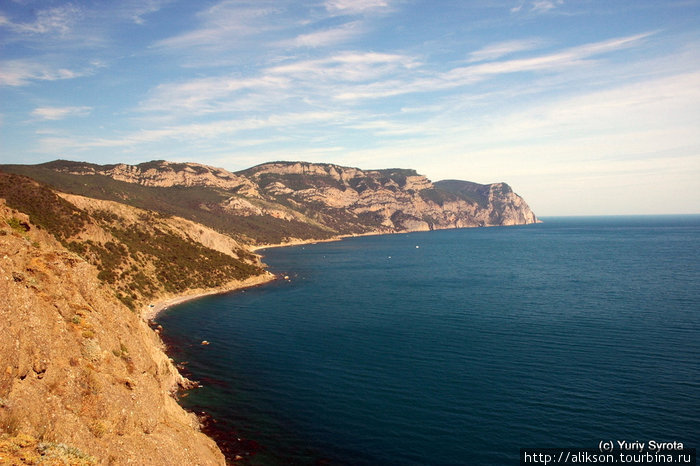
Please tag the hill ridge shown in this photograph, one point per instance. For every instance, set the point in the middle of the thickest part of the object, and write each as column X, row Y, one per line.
column 283, row 201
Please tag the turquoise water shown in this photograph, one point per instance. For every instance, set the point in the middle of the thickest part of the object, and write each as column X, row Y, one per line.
column 455, row 346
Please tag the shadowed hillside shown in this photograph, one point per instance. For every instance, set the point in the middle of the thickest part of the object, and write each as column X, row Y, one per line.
column 141, row 254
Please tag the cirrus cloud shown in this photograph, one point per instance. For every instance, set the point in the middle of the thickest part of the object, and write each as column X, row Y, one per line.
column 59, row 113
column 22, row 71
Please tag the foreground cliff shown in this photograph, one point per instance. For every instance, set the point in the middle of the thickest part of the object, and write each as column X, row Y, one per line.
column 83, row 379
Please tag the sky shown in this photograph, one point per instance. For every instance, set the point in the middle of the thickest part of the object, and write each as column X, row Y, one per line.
column 585, row 107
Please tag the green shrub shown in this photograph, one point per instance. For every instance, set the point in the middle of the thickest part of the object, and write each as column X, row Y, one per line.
column 14, row 224
column 63, row 453
column 44, row 207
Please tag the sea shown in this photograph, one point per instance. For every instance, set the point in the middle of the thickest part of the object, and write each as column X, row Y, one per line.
column 454, row 347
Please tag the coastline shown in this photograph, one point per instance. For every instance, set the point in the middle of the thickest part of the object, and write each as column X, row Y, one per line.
column 150, row 311
column 229, row 446
column 301, row 242
column 295, row 242
column 207, row 425
column 233, row 447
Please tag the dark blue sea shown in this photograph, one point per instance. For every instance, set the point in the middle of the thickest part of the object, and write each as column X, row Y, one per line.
column 455, row 346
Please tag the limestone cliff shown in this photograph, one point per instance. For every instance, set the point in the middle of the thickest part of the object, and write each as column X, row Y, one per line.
column 158, row 173
column 351, row 200
column 283, row 201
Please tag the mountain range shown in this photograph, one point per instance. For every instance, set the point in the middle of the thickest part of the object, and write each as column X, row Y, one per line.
column 282, row 201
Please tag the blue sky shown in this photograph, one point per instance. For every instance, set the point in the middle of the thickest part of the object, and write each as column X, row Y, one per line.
column 584, row 107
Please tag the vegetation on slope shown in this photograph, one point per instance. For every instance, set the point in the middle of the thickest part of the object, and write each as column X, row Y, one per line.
column 277, row 202
column 44, row 207
column 25, row 449
column 201, row 204
column 474, row 192
column 139, row 259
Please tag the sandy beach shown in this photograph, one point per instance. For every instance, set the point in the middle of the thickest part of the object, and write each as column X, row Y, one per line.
column 150, row 311
column 297, row 242
column 300, row 242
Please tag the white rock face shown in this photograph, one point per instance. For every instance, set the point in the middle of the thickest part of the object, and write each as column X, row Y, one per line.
column 338, row 197
column 167, row 174
column 332, row 197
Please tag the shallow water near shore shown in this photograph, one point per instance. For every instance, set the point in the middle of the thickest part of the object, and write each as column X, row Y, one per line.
column 455, row 346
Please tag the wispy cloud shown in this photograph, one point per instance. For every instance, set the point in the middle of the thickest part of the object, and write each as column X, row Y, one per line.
column 23, row 71
column 626, row 123
column 350, row 78
column 385, row 127
column 355, row 6
column 228, row 24
column 207, row 131
column 349, row 66
column 225, row 21
column 471, row 74
column 502, row 49
column 59, row 113
column 545, row 5
column 74, row 26
column 536, row 6
column 137, row 10
column 327, row 37
column 207, row 95
column 305, row 80
column 57, row 20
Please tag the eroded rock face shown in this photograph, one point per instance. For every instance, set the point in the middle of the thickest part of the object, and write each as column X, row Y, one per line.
column 78, row 367
column 508, row 208
column 166, row 174
column 335, row 199
column 397, row 200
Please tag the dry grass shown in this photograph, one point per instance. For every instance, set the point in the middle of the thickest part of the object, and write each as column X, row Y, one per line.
column 23, row 449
